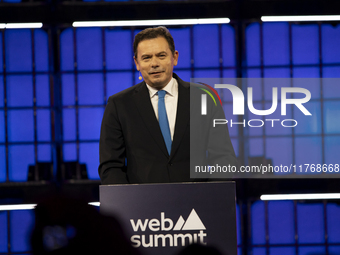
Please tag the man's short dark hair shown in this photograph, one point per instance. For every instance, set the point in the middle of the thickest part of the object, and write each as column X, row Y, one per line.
column 151, row 33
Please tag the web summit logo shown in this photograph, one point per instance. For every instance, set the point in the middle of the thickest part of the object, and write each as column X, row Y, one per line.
column 180, row 234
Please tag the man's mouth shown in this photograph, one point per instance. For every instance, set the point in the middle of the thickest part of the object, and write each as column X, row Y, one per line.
column 155, row 73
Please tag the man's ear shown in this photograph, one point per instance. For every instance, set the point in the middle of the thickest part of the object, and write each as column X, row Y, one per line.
column 136, row 63
column 175, row 58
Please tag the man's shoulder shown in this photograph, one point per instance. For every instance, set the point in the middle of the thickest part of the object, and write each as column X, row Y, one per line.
column 191, row 85
column 180, row 82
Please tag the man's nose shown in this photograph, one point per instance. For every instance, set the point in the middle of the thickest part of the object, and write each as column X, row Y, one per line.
column 154, row 62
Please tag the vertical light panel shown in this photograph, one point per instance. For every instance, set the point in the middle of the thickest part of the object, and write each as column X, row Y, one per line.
column 90, row 88
column 253, row 45
column 89, row 123
column 2, row 103
column 330, row 44
column 118, row 81
column 282, row 250
column 44, row 153
column 19, row 90
column 18, row 169
column 42, row 90
column 206, row 47
column 18, row 50
column 41, row 50
column 238, row 225
column 12, row 1
column 310, row 225
column 206, row 73
column 68, row 89
column 182, row 45
column 66, row 50
column 259, row 251
column 334, row 249
column 89, row 49
column 69, row 152
column 331, row 72
column 2, row 163
column 312, row 250
column 2, row 126
column 89, row 155
column 254, row 73
column 333, row 222
column 3, row 232
column 258, row 232
column 20, row 126
column 305, row 44
column 21, row 224
column 69, row 124
column 43, row 125
column 276, row 44
column 228, row 46
column 1, row 52
column 309, row 72
column 281, row 222
column 279, row 72
column 118, row 49
column 229, row 73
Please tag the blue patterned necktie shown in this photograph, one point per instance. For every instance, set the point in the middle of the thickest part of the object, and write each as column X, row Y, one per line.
column 163, row 120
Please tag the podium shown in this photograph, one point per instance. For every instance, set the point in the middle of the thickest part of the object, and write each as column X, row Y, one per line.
column 163, row 218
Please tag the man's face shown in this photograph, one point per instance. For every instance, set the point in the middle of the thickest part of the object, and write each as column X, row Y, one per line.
column 155, row 61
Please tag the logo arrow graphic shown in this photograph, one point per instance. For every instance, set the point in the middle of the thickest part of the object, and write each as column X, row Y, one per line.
column 193, row 222
column 179, row 223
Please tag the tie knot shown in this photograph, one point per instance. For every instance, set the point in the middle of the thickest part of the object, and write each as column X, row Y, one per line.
column 161, row 93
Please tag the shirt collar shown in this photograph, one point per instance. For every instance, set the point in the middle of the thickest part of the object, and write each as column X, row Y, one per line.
column 169, row 88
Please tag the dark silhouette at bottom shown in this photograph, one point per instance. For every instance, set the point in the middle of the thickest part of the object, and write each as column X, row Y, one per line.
column 67, row 226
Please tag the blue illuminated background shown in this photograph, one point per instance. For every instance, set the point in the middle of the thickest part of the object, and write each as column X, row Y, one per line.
column 98, row 62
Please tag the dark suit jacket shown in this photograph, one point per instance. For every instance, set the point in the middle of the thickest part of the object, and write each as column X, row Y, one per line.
column 132, row 148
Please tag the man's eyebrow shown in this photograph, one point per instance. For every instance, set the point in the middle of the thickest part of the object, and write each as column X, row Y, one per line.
column 162, row 52
column 146, row 55
column 149, row 54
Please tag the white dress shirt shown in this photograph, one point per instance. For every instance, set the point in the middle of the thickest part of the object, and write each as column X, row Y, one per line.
column 170, row 100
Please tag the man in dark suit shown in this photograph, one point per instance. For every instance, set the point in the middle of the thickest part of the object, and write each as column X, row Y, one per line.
column 138, row 143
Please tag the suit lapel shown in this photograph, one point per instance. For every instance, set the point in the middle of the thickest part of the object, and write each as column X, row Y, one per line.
column 182, row 115
column 142, row 100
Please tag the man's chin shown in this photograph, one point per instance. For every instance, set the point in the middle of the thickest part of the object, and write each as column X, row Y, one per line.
column 158, row 84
